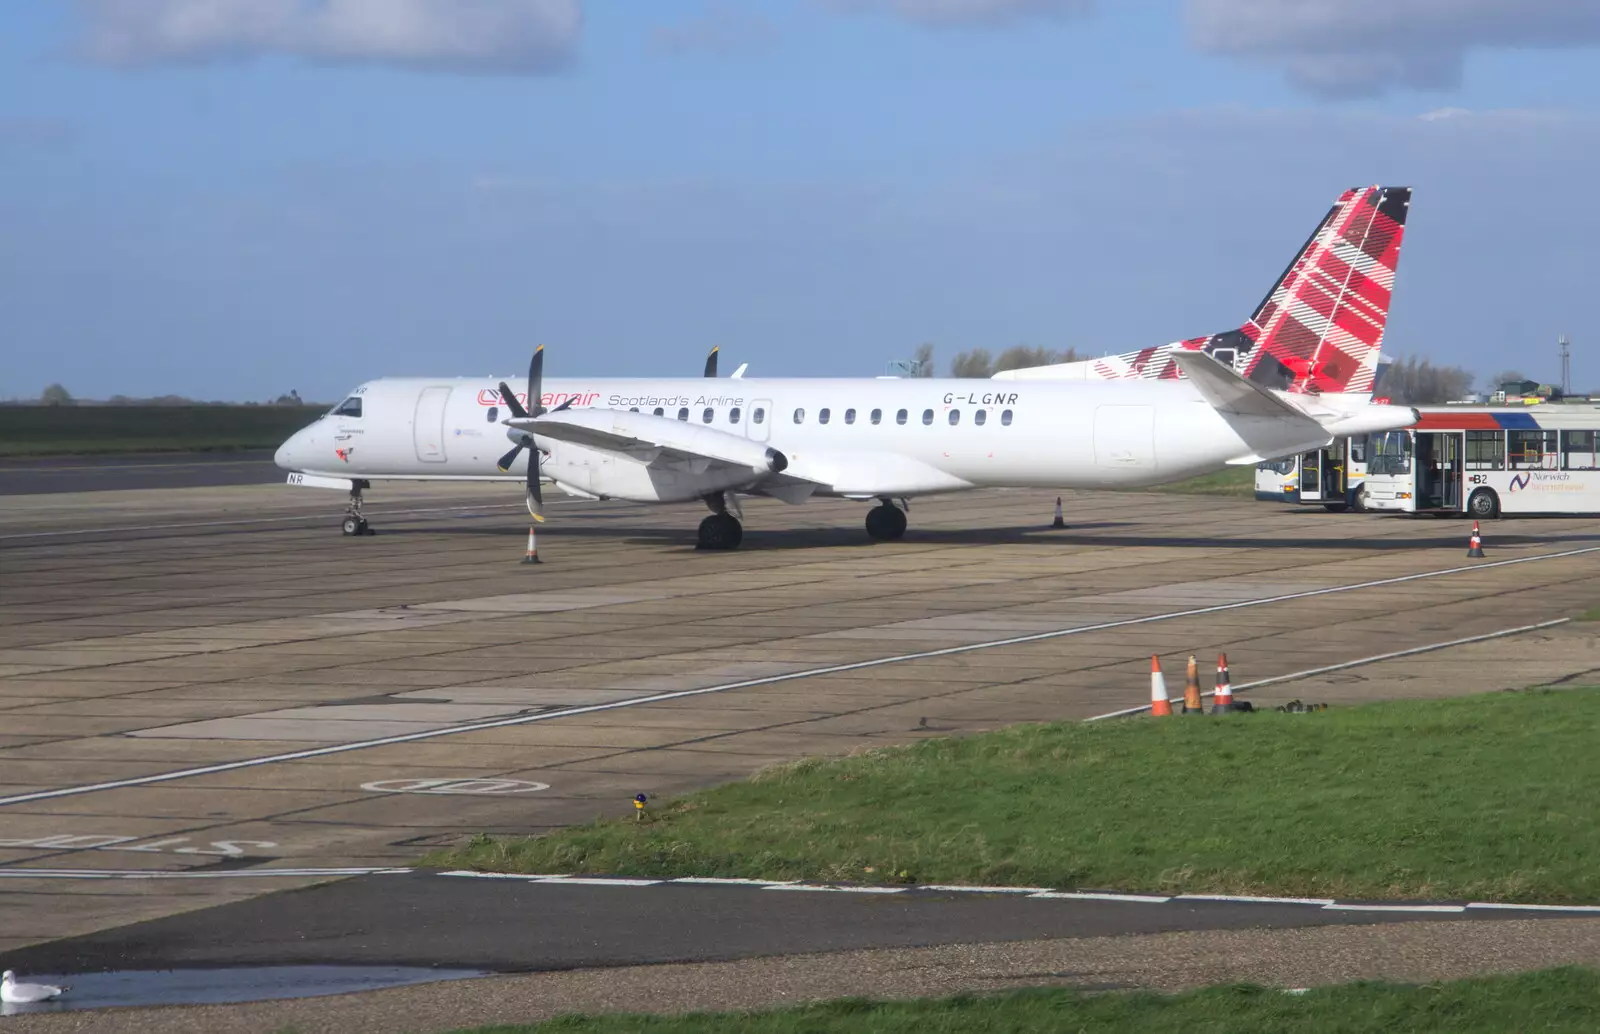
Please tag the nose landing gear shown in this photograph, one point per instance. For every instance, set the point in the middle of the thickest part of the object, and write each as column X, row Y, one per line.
column 354, row 523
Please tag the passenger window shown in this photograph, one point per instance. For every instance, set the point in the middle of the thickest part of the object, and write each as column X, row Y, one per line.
column 494, row 413
column 633, row 409
column 981, row 417
column 900, row 417
column 1005, row 417
column 822, row 416
column 759, row 416
column 955, row 417
column 733, row 415
column 660, row 411
column 683, row 414
column 349, row 407
column 849, row 416
column 927, row 416
column 705, row 418
column 877, row 416
column 799, row 416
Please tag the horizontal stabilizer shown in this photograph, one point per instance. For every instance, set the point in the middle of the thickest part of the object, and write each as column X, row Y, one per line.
column 1230, row 393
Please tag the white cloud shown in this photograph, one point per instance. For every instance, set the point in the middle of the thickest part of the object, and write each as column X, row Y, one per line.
column 966, row 12
column 522, row 36
column 722, row 29
column 1364, row 47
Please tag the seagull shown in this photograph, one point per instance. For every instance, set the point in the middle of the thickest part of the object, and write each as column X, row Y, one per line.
column 11, row 991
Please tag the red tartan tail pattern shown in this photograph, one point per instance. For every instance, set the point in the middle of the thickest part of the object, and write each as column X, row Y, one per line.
column 1320, row 328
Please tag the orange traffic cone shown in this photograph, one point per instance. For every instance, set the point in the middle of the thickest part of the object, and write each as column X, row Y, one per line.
column 1222, row 697
column 1059, row 522
column 1160, row 704
column 533, row 549
column 1191, row 690
column 1475, row 546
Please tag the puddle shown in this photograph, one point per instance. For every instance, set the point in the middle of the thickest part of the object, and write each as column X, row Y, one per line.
column 203, row 986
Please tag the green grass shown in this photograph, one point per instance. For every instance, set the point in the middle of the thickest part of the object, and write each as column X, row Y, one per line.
column 1486, row 798
column 92, row 430
column 1592, row 614
column 1239, row 482
column 1552, row 1000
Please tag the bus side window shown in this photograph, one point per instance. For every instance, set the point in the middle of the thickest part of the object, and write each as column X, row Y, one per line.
column 1533, row 450
column 1578, row 450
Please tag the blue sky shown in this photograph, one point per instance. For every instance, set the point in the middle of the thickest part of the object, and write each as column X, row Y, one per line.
column 230, row 198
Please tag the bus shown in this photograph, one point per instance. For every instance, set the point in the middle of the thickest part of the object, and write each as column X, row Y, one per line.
column 1488, row 462
column 1330, row 477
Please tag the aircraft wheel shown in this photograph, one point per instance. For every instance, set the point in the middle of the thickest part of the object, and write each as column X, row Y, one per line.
column 886, row 523
column 720, row 531
column 352, row 526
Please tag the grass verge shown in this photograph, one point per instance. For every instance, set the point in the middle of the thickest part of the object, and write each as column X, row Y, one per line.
column 1237, row 482
column 1482, row 798
column 1547, row 1000
column 98, row 430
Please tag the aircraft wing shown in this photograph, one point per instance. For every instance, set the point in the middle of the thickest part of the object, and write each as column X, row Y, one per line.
column 654, row 440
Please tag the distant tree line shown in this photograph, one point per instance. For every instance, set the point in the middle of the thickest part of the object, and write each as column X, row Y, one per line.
column 979, row 362
column 58, row 395
column 1417, row 382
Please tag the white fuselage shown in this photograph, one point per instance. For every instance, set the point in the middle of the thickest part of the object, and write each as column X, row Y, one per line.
column 885, row 437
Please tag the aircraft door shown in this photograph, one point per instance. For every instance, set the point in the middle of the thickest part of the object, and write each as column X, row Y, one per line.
column 758, row 422
column 427, row 425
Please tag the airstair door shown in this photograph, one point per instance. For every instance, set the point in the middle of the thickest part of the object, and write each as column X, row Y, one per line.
column 427, row 427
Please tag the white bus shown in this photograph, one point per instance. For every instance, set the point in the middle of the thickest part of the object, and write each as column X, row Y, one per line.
column 1488, row 462
column 1330, row 477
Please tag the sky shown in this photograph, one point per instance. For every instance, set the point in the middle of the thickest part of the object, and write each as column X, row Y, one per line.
column 227, row 199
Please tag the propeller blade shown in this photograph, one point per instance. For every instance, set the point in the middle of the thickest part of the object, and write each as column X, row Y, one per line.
column 510, row 399
column 711, row 362
column 505, row 462
column 536, row 382
column 565, row 405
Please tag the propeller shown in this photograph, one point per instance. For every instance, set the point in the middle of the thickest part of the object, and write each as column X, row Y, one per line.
column 711, row 362
column 535, row 409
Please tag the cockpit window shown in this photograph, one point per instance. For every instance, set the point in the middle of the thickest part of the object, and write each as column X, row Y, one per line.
column 349, row 407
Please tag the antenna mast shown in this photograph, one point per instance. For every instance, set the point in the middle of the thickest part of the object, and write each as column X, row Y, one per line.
column 1566, row 364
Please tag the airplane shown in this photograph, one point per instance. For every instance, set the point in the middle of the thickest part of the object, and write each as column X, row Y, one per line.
column 1295, row 376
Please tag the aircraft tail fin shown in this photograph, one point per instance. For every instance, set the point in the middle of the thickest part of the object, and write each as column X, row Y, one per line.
column 1319, row 329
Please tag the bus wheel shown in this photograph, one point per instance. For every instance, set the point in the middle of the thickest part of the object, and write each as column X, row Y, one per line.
column 1335, row 507
column 1360, row 503
column 1484, row 504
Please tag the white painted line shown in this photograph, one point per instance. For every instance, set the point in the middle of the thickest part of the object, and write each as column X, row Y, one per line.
column 1534, row 908
column 142, row 874
column 1309, row 672
column 1089, row 895
column 1253, row 900
column 597, row 881
column 731, row 881
column 504, row 875
column 769, row 680
column 827, row 889
column 1394, row 908
column 964, row 889
column 257, row 520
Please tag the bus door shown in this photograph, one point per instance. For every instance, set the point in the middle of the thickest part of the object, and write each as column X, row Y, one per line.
column 1312, row 465
column 1439, row 470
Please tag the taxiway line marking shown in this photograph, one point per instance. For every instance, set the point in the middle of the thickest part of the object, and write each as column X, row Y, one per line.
column 259, row 520
column 793, row 676
column 1125, row 712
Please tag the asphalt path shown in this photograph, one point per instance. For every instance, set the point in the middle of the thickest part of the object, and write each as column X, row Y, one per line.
column 513, row 925
column 35, row 476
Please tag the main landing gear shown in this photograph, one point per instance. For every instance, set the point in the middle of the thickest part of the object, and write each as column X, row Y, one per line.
column 886, row 522
column 354, row 523
column 722, row 529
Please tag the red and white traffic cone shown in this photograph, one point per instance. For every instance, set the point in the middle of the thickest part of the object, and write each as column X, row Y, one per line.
column 1475, row 546
column 533, row 549
column 1160, row 703
column 1222, row 697
column 1059, row 521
